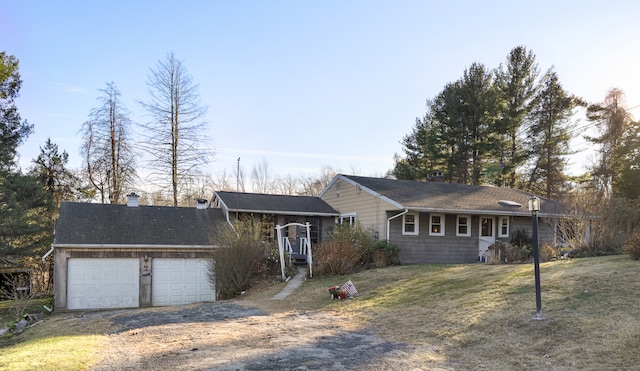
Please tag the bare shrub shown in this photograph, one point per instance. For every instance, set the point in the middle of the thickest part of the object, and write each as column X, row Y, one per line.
column 348, row 248
column 632, row 246
column 548, row 253
column 240, row 258
column 336, row 258
column 16, row 288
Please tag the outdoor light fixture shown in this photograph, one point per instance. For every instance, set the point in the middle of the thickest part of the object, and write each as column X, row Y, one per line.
column 534, row 207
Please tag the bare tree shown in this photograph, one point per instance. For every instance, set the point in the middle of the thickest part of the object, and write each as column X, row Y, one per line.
column 108, row 155
column 288, row 185
column 198, row 188
column 262, row 180
column 613, row 121
column 175, row 137
column 224, row 182
column 313, row 186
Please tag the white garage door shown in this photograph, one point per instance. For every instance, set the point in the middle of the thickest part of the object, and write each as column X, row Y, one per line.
column 176, row 281
column 97, row 283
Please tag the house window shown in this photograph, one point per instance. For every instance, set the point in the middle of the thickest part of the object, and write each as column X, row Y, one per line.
column 347, row 219
column 463, row 226
column 410, row 224
column 503, row 230
column 436, row 225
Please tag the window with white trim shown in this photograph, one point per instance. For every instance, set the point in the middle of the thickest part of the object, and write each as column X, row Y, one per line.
column 410, row 223
column 463, row 226
column 436, row 225
column 347, row 219
column 503, row 226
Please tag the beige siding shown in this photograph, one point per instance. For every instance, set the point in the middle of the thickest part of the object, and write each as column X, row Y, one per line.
column 371, row 212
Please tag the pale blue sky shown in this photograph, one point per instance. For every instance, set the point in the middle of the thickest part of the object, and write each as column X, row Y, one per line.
column 302, row 84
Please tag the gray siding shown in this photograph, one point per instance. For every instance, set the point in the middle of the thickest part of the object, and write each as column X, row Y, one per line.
column 450, row 248
column 545, row 228
column 424, row 248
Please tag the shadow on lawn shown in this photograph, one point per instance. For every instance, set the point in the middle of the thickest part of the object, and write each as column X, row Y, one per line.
column 201, row 312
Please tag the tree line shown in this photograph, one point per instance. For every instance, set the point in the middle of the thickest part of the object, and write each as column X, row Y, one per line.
column 511, row 127
column 508, row 127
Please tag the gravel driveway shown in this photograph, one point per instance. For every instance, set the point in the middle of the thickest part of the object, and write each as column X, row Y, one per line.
column 229, row 336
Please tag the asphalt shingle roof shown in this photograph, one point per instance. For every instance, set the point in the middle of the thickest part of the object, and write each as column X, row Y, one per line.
column 453, row 196
column 97, row 224
column 277, row 204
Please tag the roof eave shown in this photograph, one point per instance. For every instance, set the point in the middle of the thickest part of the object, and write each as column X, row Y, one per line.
column 129, row 246
column 283, row 212
column 485, row 212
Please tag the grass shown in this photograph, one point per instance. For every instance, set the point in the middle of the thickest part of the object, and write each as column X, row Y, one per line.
column 482, row 316
column 60, row 343
column 474, row 316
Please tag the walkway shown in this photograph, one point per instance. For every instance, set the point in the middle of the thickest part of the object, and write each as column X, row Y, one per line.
column 293, row 284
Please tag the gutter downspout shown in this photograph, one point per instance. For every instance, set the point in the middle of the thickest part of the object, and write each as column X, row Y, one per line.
column 47, row 254
column 393, row 217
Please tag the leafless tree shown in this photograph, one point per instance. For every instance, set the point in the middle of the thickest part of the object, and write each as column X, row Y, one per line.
column 108, row 155
column 175, row 137
column 288, row 185
column 313, row 186
column 224, row 182
column 262, row 180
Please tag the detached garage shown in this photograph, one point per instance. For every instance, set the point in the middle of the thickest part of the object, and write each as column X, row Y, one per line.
column 128, row 256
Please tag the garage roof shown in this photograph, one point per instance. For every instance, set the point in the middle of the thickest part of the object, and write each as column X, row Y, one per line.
column 108, row 224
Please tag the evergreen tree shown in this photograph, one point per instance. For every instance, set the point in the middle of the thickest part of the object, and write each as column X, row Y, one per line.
column 549, row 137
column 627, row 182
column 50, row 169
column 455, row 135
column 27, row 216
column 26, row 210
column 13, row 131
column 516, row 85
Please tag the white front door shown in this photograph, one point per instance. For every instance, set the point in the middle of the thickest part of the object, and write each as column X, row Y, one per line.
column 487, row 234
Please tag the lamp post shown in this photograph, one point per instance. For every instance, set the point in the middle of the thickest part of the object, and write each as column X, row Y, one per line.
column 534, row 207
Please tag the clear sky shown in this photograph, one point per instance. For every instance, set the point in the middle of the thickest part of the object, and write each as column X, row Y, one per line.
column 303, row 84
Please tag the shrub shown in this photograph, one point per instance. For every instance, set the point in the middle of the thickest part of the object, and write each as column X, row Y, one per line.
column 515, row 253
column 547, row 252
column 385, row 253
column 336, row 258
column 520, row 237
column 632, row 246
column 347, row 249
column 240, row 258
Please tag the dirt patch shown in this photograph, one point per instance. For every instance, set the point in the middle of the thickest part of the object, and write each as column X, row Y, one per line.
column 228, row 336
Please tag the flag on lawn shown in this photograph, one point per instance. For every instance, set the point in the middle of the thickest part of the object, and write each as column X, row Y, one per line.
column 350, row 288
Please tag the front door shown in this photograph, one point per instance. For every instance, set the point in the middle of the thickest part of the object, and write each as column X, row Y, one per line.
column 487, row 235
